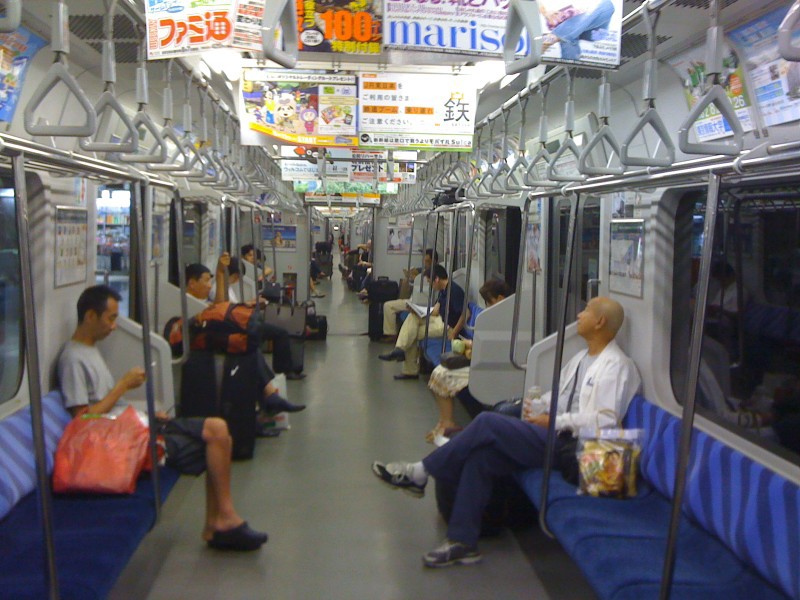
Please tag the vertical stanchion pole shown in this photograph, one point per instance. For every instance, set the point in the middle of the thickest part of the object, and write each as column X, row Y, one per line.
column 690, row 393
column 562, row 324
column 137, row 229
column 34, row 377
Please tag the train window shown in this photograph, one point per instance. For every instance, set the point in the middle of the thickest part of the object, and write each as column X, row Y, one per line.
column 585, row 263
column 751, row 335
column 191, row 233
column 114, row 240
column 10, row 299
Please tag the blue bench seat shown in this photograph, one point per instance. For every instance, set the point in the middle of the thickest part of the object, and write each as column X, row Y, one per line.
column 738, row 539
column 95, row 535
column 433, row 347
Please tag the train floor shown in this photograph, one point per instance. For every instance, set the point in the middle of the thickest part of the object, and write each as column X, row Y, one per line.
column 335, row 531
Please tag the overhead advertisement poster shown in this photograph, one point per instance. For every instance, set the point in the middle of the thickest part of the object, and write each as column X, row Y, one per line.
column 316, row 109
column 339, row 27
column 776, row 82
column 364, row 165
column 470, row 27
column 18, row 49
column 692, row 67
column 182, row 27
column 582, row 32
column 300, row 164
column 416, row 111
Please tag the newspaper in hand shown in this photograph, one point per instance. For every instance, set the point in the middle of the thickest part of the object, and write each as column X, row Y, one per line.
column 418, row 309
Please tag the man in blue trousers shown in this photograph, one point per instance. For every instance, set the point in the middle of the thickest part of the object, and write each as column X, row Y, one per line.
column 596, row 380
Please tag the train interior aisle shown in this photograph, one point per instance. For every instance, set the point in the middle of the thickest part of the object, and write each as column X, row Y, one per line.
column 335, row 531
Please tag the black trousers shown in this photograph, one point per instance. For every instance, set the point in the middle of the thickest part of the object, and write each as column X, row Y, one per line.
column 281, row 357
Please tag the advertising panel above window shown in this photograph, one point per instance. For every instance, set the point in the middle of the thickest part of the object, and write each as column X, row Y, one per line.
column 182, row 27
column 316, row 109
column 339, row 27
column 469, row 27
column 416, row 111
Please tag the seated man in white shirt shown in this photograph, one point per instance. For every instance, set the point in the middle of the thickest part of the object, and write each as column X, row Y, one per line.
column 599, row 379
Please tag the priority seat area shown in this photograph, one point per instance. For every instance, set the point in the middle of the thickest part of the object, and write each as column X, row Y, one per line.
column 95, row 535
column 738, row 538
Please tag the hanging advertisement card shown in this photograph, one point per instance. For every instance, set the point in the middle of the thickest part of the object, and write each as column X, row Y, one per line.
column 18, row 49
column 337, row 167
column 419, row 111
column 339, row 27
column 364, row 199
column 398, row 240
column 183, row 27
column 471, row 27
column 301, row 108
column 344, row 187
column 365, row 162
column 581, row 32
column 247, row 25
column 692, row 67
column 626, row 260
column 775, row 81
column 533, row 249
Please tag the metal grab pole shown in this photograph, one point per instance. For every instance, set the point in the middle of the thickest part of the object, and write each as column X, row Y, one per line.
column 256, row 271
column 452, row 264
column 274, row 251
column 137, row 229
column 562, row 324
column 177, row 210
column 425, row 249
column 512, row 351
column 411, row 245
column 34, row 377
column 470, row 247
column 690, row 393
column 234, row 250
column 430, row 289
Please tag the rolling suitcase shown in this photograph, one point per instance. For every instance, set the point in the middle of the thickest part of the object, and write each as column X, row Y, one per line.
column 383, row 290
column 290, row 318
column 317, row 327
column 297, row 352
column 199, row 395
column 241, row 389
column 375, row 325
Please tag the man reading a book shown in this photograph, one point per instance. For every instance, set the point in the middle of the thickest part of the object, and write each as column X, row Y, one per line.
column 413, row 330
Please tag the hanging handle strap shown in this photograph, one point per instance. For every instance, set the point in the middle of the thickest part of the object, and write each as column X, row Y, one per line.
column 11, row 21
column 715, row 96
column 158, row 153
column 785, row 46
column 568, row 146
column 516, row 174
column 281, row 13
column 650, row 117
column 534, row 177
column 58, row 73
column 108, row 103
column 502, row 171
column 522, row 15
column 604, row 136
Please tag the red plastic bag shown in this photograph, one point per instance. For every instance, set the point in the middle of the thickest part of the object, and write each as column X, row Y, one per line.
column 101, row 455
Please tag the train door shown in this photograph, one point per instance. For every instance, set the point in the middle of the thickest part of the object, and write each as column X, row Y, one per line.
column 192, row 219
column 114, row 240
column 586, row 261
column 502, row 244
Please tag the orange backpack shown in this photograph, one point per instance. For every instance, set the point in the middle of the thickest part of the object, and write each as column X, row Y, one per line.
column 225, row 327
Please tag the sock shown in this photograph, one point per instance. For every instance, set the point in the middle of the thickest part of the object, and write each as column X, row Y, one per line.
column 419, row 475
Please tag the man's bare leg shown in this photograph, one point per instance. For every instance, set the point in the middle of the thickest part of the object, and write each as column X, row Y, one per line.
column 220, row 512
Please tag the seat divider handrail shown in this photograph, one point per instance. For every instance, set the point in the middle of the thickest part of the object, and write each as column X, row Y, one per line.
column 59, row 73
column 512, row 351
column 557, row 363
column 177, row 212
column 44, row 496
column 13, row 17
column 716, row 96
column 786, row 48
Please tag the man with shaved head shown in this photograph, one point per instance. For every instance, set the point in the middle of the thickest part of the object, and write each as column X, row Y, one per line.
column 594, row 383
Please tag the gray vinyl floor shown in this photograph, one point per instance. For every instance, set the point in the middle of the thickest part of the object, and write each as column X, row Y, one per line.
column 335, row 531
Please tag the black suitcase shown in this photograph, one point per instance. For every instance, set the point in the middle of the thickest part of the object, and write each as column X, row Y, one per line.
column 356, row 277
column 297, row 352
column 375, row 326
column 198, row 394
column 383, row 290
column 272, row 291
column 317, row 327
column 325, row 262
column 241, row 389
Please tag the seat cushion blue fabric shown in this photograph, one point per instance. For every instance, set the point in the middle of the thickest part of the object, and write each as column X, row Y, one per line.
column 433, row 349
column 17, row 463
column 740, row 526
column 469, row 327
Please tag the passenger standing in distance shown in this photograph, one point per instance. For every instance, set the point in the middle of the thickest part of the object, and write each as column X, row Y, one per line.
column 413, row 329
column 598, row 379
column 193, row 445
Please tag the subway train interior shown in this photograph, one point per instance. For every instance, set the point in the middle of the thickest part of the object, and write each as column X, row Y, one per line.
column 324, row 162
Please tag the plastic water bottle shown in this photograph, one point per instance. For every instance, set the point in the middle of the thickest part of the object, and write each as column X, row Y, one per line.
column 532, row 404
